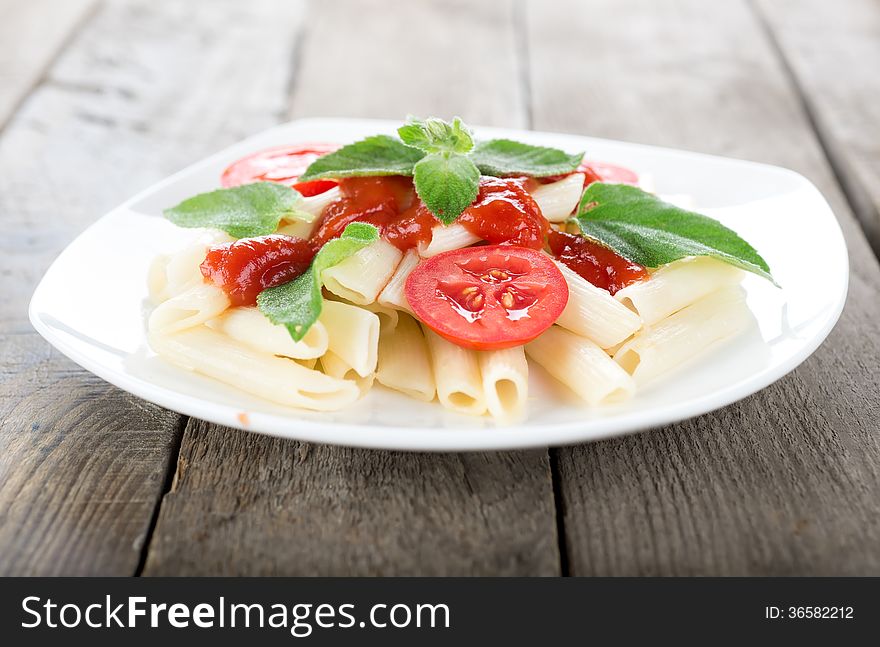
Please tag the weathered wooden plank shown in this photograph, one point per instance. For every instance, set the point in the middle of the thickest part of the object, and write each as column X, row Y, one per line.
column 248, row 504
column 81, row 466
column 369, row 59
column 833, row 50
column 133, row 98
column 32, row 33
column 787, row 481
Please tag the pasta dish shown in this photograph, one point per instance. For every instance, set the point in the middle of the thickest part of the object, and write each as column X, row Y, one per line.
column 441, row 267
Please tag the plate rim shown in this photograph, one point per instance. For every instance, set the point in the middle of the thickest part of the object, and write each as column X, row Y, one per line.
column 418, row 438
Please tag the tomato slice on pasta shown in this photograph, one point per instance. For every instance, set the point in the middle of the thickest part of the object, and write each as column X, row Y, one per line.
column 282, row 164
column 487, row 297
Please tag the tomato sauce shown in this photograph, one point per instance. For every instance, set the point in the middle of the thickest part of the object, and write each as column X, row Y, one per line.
column 248, row 266
column 595, row 262
column 504, row 212
column 388, row 202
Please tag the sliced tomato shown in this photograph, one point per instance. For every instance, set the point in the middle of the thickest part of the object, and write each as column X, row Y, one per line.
column 605, row 172
column 488, row 297
column 282, row 164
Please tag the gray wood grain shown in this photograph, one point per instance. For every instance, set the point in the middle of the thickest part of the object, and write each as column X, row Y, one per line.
column 244, row 504
column 788, row 480
column 31, row 34
column 249, row 504
column 132, row 98
column 833, row 50
column 81, row 466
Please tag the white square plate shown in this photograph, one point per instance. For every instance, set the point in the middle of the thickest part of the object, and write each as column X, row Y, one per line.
column 92, row 305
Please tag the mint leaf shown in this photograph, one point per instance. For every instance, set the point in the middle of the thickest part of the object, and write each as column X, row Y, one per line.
column 298, row 303
column 242, row 211
column 648, row 231
column 376, row 155
column 500, row 157
column 447, row 183
column 434, row 135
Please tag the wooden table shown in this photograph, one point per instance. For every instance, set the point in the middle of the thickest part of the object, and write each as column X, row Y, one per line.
column 101, row 99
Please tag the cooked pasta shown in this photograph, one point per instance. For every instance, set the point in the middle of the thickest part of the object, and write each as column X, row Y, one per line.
column 173, row 274
column 505, row 375
column 668, row 344
column 360, row 278
column 595, row 314
column 582, row 366
column 315, row 205
column 558, row 199
column 157, row 279
column 297, row 228
column 252, row 328
column 188, row 309
column 278, row 379
column 335, row 366
column 674, row 286
column 393, row 296
column 445, row 238
column 353, row 335
column 457, row 375
column 404, row 364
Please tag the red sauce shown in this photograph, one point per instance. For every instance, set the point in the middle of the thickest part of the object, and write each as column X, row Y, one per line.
column 595, row 262
column 246, row 267
column 504, row 212
column 388, row 202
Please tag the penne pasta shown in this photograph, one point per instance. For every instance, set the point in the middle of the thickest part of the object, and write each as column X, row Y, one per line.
column 505, row 375
column 157, row 279
column 668, row 344
column 191, row 308
column 353, row 335
column 174, row 274
column 361, row 277
column 394, row 294
column 457, row 375
column 278, row 379
column 676, row 285
column 252, row 328
column 582, row 366
column 445, row 238
column 593, row 313
column 297, row 228
column 314, row 205
column 404, row 363
column 558, row 199
column 335, row 366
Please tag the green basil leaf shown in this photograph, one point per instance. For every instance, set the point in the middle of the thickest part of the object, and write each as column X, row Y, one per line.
column 242, row 211
column 641, row 227
column 447, row 183
column 501, row 157
column 434, row 135
column 298, row 303
column 377, row 155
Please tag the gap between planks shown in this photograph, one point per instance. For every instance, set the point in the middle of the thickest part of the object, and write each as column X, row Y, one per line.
column 860, row 204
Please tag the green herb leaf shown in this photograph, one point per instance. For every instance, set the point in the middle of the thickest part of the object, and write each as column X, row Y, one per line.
column 648, row 231
column 447, row 183
column 502, row 157
column 377, row 155
column 434, row 135
column 298, row 303
column 242, row 211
